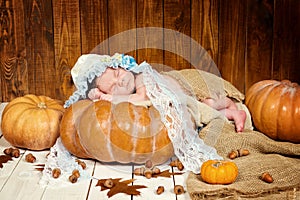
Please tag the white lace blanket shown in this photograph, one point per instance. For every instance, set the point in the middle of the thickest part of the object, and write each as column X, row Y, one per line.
column 171, row 104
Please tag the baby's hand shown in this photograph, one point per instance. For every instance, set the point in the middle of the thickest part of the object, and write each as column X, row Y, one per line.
column 94, row 94
column 106, row 97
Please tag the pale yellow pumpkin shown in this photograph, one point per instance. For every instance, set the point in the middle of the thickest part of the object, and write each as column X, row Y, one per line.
column 32, row 121
column 115, row 132
column 275, row 109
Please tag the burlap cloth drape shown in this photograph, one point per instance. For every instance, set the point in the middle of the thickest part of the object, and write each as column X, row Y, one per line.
column 280, row 159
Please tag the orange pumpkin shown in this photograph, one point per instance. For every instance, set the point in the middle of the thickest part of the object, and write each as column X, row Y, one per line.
column 219, row 172
column 275, row 109
column 115, row 132
column 32, row 121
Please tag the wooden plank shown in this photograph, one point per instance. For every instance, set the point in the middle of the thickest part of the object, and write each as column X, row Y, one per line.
column 67, row 48
column 181, row 180
column 13, row 65
column 286, row 40
column 232, row 35
column 122, row 32
column 94, row 26
column 153, row 183
column 105, row 171
column 177, row 46
column 40, row 47
column 205, row 32
column 150, row 32
column 259, row 41
column 22, row 183
column 9, row 167
column 78, row 190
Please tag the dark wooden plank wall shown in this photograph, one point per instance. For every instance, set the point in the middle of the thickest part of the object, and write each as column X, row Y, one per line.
column 248, row 40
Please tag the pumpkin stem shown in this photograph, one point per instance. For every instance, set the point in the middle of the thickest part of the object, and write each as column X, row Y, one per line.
column 42, row 105
column 216, row 164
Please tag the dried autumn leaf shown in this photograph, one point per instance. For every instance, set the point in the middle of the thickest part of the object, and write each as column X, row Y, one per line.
column 166, row 174
column 4, row 159
column 120, row 187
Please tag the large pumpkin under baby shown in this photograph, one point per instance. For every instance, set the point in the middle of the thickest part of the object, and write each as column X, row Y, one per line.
column 115, row 132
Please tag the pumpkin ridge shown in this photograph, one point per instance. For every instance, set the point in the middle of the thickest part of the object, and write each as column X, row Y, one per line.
column 269, row 91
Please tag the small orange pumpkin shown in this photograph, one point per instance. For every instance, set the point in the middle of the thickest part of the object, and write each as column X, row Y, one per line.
column 219, row 172
column 115, row 132
column 32, row 121
column 275, row 109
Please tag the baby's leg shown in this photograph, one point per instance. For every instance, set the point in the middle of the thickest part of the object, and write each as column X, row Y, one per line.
column 220, row 104
column 238, row 116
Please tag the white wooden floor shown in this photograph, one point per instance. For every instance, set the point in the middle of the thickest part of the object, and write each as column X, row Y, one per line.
column 20, row 180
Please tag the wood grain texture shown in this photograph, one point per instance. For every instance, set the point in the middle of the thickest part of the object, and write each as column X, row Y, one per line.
column 246, row 40
column 177, row 16
column 67, row 44
column 232, row 42
column 94, row 26
column 259, row 41
column 40, row 47
column 122, row 24
column 13, row 63
column 150, row 33
column 205, row 32
column 286, row 46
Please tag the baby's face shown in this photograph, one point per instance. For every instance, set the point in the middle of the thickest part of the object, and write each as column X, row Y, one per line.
column 116, row 81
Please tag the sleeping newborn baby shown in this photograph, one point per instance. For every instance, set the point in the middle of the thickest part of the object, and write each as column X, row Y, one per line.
column 120, row 85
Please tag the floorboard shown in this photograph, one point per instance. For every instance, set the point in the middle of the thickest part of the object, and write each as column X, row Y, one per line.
column 19, row 180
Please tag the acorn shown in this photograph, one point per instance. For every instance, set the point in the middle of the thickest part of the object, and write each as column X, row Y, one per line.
column 15, row 153
column 148, row 164
column 76, row 173
column 178, row 189
column 148, row 173
column 81, row 163
column 160, row 190
column 8, row 151
column 139, row 171
column 56, row 172
column 73, row 178
column 238, row 153
column 30, row 158
column 108, row 183
column 266, row 177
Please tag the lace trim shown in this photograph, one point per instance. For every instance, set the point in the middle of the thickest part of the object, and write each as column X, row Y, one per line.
column 59, row 157
column 172, row 106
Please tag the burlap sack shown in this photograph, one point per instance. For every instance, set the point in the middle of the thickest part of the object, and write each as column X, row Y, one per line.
column 201, row 85
column 280, row 159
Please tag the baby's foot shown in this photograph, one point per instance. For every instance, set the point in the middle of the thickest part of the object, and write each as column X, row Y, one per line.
column 239, row 120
